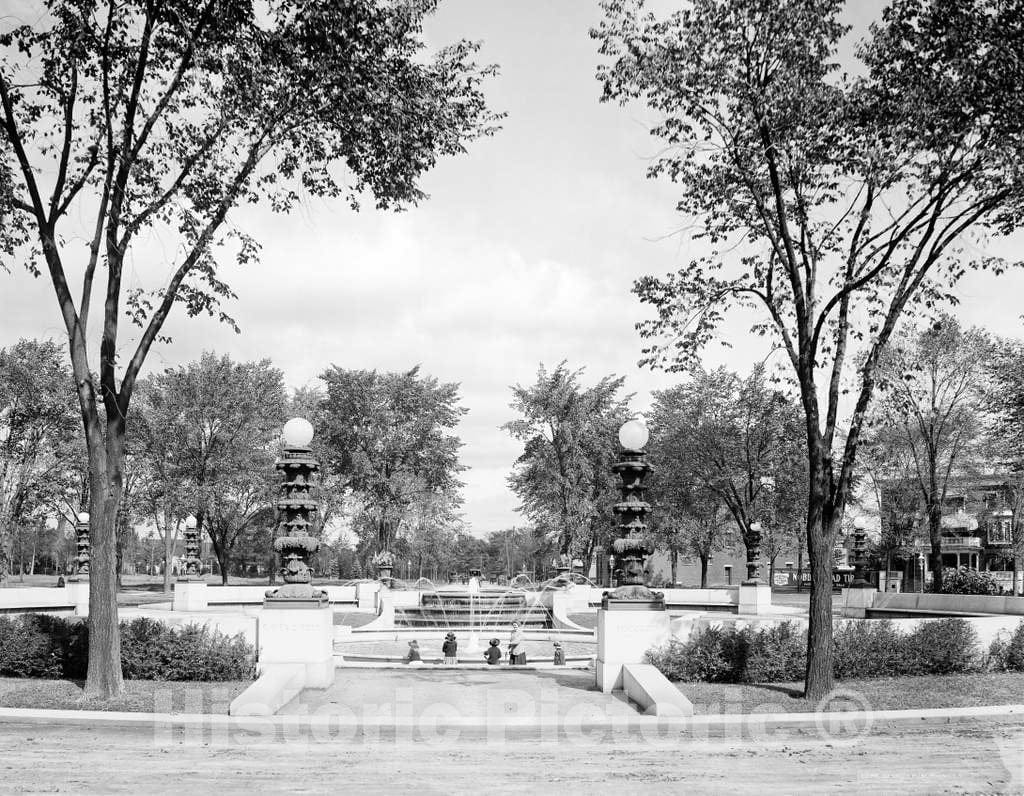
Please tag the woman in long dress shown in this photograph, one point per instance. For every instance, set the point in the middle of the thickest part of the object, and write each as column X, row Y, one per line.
column 516, row 649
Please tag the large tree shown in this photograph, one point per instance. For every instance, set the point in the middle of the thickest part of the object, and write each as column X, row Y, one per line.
column 569, row 435
column 738, row 440
column 689, row 520
column 161, row 493
column 931, row 410
column 210, row 431
column 40, row 453
column 141, row 125
column 830, row 205
column 389, row 437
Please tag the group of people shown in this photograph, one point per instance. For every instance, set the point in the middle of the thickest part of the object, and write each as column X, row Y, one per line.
column 493, row 655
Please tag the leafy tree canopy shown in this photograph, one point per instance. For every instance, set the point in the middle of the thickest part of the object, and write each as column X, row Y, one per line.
column 570, row 437
column 389, row 437
column 830, row 205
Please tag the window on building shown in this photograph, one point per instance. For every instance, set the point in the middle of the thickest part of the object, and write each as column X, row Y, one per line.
column 999, row 531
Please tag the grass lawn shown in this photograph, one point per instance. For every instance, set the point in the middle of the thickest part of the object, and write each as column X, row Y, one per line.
column 884, row 693
column 141, row 696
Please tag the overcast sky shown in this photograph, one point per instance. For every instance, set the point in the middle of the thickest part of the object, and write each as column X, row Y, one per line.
column 524, row 254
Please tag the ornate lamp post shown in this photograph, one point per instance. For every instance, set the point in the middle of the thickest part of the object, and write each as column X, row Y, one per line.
column 754, row 555
column 859, row 540
column 193, row 564
column 632, row 547
column 296, row 510
column 82, row 544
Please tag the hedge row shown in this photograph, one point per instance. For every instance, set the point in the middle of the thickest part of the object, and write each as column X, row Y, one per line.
column 37, row 645
column 969, row 581
column 862, row 649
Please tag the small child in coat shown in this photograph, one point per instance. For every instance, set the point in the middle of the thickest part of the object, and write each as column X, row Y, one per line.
column 493, row 653
column 559, row 654
column 450, row 649
column 413, row 656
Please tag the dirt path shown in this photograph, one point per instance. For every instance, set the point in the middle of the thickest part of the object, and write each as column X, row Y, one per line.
column 923, row 760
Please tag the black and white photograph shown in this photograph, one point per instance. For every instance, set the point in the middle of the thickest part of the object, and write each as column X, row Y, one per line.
column 512, row 396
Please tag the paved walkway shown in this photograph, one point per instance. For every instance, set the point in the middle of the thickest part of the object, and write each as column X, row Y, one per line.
column 420, row 692
column 919, row 760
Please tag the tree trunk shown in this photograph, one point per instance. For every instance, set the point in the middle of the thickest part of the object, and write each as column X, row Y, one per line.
column 771, row 571
column 820, row 535
column 35, row 545
column 674, row 560
column 800, row 569
column 935, row 536
column 106, row 474
column 168, row 554
column 223, row 559
column 703, row 571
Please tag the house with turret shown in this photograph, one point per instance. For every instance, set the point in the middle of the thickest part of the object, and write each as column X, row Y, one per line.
column 982, row 523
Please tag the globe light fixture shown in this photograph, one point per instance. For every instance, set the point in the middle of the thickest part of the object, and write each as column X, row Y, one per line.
column 83, row 516
column 297, row 433
column 190, row 523
column 633, row 435
column 756, row 527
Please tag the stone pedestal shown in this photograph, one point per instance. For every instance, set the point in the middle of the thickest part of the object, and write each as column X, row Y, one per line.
column 78, row 595
column 298, row 635
column 623, row 636
column 190, row 595
column 856, row 601
column 755, row 598
column 366, row 596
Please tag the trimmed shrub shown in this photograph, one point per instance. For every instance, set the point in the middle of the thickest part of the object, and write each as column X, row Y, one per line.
column 37, row 645
column 152, row 651
column 776, row 654
column 945, row 646
column 862, row 649
column 734, row 655
column 1007, row 654
column 26, row 650
column 866, row 649
column 700, row 659
column 1015, row 650
column 968, row 581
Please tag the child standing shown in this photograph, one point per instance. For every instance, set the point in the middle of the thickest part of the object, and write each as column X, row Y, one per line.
column 450, row 649
column 413, row 655
column 493, row 653
column 559, row 654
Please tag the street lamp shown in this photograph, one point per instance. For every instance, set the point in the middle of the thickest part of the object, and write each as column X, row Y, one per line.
column 193, row 565
column 632, row 548
column 859, row 537
column 83, row 547
column 296, row 508
column 754, row 555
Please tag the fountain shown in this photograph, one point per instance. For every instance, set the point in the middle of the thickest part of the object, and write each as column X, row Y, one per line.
column 473, row 589
column 458, row 608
